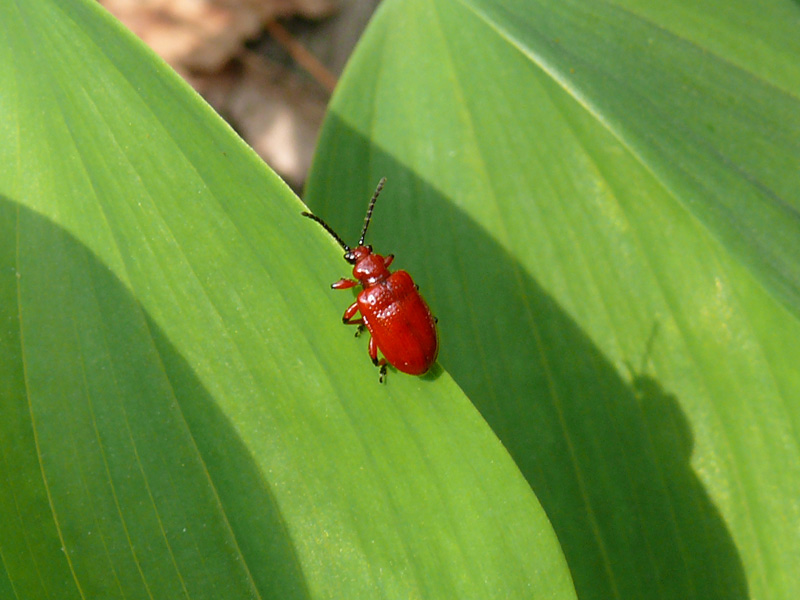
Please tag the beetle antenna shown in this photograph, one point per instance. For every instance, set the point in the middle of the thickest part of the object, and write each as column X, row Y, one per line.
column 328, row 229
column 369, row 210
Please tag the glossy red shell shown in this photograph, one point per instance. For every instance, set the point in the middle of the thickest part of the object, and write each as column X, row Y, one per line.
column 400, row 322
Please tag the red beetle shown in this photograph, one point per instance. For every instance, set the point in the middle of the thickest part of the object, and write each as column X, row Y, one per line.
column 399, row 321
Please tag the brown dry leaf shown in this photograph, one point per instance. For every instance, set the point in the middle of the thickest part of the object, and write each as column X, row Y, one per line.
column 203, row 35
column 278, row 111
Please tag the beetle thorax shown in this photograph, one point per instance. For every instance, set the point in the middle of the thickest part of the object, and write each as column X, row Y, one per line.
column 369, row 268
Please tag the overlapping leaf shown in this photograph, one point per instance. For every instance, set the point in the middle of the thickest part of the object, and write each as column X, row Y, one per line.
column 600, row 200
column 183, row 415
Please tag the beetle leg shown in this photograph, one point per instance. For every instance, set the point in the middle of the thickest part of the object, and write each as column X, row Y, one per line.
column 373, row 354
column 344, row 284
column 387, row 260
column 347, row 317
column 373, row 351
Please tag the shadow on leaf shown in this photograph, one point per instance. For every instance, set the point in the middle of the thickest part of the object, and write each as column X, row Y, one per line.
column 141, row 480
column 608, row 460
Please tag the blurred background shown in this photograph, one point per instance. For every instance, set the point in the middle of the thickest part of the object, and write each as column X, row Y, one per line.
column 267, row 66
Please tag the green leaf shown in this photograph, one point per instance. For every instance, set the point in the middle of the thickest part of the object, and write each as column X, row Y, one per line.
column 183, row 414
column 600, row 201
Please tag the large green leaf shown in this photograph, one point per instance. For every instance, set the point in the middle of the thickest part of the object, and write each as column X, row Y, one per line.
column 182, row 413
column 601, row 201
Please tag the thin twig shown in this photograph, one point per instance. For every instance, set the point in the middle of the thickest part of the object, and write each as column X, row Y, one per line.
column 303, row 57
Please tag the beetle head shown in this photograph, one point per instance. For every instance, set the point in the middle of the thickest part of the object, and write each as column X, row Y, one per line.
column 368, row 268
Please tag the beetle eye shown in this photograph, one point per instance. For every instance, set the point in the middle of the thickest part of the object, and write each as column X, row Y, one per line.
column 369, row 247
column 350, row 257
